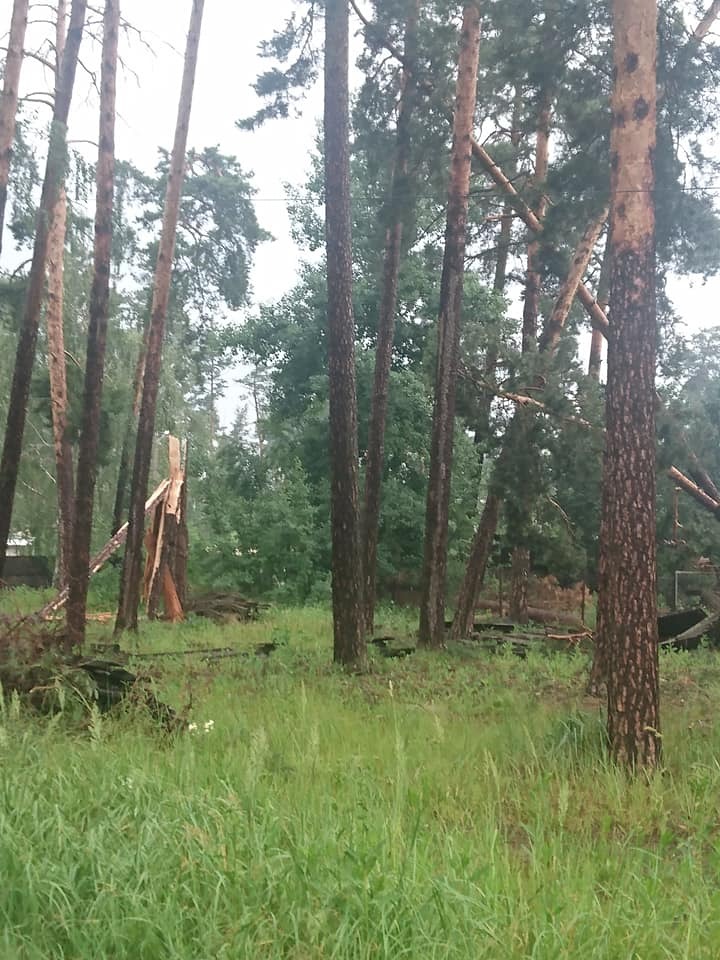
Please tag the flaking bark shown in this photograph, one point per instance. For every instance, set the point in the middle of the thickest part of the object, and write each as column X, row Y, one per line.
column 27, row 340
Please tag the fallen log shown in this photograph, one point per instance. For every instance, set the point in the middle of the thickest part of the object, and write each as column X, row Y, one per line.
column 540, row 615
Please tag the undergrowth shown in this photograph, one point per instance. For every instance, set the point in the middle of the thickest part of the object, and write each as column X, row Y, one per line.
column 453, row 805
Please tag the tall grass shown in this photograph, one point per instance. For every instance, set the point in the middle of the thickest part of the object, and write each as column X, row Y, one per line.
column 447, row 806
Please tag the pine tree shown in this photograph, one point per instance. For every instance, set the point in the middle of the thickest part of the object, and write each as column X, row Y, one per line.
column 97, row 334
column 9, row 98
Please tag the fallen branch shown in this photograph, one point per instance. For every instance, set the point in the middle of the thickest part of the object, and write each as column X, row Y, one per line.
column 693, row 490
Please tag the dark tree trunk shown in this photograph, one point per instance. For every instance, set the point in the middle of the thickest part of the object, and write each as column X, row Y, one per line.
column 398, row 209
column 132, row 564
column 627, row 590
column 9, row 98
column 123, row 479
column 432, row 606
column 27, row 341
column 480, row 551
column 349, row 646
column 97, row 334
column 519, row 585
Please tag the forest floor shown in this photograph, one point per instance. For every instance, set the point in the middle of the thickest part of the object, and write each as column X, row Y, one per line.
column 453, row 805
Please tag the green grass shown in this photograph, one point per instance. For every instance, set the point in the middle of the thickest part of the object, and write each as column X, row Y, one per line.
column 446, row 806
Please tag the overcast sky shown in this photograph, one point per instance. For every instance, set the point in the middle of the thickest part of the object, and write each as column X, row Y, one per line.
column 277, row 153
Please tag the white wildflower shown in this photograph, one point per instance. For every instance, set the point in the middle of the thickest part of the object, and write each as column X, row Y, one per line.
column 208, row 725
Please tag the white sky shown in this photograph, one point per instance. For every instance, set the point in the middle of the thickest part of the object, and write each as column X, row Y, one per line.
column 277, row 153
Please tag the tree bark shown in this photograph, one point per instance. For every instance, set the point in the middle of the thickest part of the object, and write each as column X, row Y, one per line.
column 627, row 599
column 9, row 98
column 97, row 333
column 386, row 322
column 432, row 607
column 349, row 648
column 27, row 341
column 132, row 564
column 64, row 472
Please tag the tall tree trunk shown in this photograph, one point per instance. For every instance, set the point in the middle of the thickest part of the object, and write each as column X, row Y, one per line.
column 27, row 341
column 627, row 591
column 399, row 200
column 97, row 333
column 56, row 351
column 132, row 564
column 9, row 98
column 482, row 541
column 519, row 585
column 531, row 306
column 432, row 606
column 349, row 646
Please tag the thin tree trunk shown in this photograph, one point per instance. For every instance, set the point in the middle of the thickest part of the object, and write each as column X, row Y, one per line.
column 473, row 580
column 519, row 586
column 386, row 322
column 568, row 291
column 27, row 341
column 482, row 541
column 58, row 389
column 531, row 305
column 627, row 598
column 9, row 98
column 97, row 333
column 128, row 436
column 432, row 607
column 56, row 351
column 603, row 299
column 349, row 647
column 132, row 564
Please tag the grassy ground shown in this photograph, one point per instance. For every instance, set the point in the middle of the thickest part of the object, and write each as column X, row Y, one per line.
column 446, row 806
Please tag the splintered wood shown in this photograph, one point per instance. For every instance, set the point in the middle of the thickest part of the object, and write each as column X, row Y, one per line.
column 165, row 565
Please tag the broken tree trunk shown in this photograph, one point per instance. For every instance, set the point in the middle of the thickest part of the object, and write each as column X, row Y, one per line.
column 432, row 606
column 132, row 566
column 101, row 558
column 696, row 492
column 9, row 98
column 162, row 582
column 27, row 341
